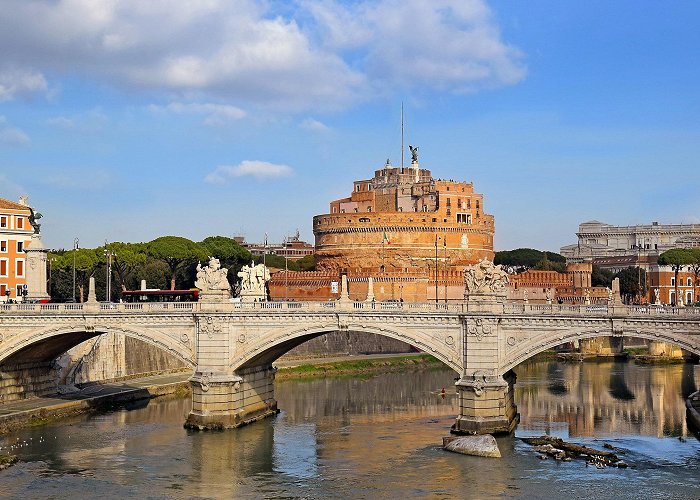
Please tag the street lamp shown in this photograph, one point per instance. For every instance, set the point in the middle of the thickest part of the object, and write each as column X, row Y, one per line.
column 286, row 270
column 444, row 246
column 76, row 243
column 265, row 265
column 436, row 269
column 109, row 254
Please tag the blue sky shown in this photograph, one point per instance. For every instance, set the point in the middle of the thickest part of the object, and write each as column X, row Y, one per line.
column 130, row 120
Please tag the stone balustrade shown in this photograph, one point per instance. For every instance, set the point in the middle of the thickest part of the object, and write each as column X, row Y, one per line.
column 514, row 308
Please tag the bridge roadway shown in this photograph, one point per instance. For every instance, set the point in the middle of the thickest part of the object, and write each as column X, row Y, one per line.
column 231, row 346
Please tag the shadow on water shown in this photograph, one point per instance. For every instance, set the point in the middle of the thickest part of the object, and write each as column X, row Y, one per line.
column 556, row 386
column 618, row 388
column 688, row 385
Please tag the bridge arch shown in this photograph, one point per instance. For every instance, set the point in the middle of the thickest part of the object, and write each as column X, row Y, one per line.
column 541, row 343
column 49, row 343
column 271, row 345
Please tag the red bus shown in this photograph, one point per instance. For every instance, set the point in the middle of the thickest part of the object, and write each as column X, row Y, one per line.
column 191, row 295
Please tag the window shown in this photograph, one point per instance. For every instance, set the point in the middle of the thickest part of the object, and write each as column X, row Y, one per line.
column 335, row 209
column 19, row 290
column 3, row 267
column 464, row 218
column 20, row 246
column 673, row 281
column 690, row 282
column 3, row 221
column 3, row 246
column 20, row 222
column 477, row 205
column 19, row 268
column 3, row 290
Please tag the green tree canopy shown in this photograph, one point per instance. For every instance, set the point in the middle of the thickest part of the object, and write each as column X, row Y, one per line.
column 127, row 258
column 677, row 258
column 523, row 259
column 632, row 282
column 601, row 277
column 176, row 252
column 86, row 261
column 227, row 250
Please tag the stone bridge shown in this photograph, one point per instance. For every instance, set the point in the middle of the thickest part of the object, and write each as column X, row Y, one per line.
column 231, row 346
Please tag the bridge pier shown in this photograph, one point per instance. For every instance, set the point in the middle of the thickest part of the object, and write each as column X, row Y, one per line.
column 224, row 401
column 486, row 405
column 602, row 346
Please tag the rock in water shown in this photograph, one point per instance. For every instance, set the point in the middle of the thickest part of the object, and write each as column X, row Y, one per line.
column 479, row 446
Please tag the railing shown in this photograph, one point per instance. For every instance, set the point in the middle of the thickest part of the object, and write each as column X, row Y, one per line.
column 507, row 308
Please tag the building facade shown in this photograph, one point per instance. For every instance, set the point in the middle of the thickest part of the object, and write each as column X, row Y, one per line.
column 293, row 248
column 404, row 221
column 598, row 240
column 15, row 235
column 618, row 247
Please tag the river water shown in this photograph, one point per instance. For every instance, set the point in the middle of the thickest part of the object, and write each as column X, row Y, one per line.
column 378, row 436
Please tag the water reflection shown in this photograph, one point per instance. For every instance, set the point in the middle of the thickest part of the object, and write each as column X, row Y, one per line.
column 605, row 398
column 373, row 437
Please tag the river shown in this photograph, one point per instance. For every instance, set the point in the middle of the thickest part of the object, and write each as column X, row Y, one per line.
column 379, row 436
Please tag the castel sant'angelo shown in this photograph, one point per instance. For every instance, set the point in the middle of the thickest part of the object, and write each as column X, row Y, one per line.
column 412, row 233
column 391, row 223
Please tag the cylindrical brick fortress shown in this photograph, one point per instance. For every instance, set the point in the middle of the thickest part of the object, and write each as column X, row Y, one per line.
column 404, row 221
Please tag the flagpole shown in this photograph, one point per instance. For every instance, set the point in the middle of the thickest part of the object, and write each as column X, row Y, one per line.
column 401, row 136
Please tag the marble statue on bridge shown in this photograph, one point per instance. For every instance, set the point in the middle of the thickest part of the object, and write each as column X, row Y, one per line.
column 254, row 283
column 213, row 282
column 485, row 279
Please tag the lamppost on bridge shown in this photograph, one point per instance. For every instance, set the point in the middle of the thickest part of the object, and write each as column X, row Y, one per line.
column 109, row 254
column 436, row 269
column 76, row 244
column 264, row 263
column 444, row 246
column 286, row 270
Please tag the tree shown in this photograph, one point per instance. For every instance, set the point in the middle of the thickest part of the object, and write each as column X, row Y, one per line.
column 522, row 259
column 127, row 258
column 601, row 277
column 307, row 263
column 86, row 261
column 176, row 252
column 694, row 267
column 230, row 254
column 676, row 258
column 632, row 281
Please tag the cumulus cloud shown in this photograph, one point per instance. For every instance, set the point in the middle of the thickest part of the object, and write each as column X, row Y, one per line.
column 12, row 135
column 252, row 168
column 16, row 82
column 256, row 52
column 313, row 125
column 215, row 114
column 89, row 122
column 450, row 45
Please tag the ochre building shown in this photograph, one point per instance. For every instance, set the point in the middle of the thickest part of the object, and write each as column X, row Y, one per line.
column 15, row 235
column 403, row 221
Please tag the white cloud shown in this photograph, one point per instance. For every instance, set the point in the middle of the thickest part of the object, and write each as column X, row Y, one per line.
column 16, row 82
column 313, row 125
column 89, row 122
column 216, row 114
column 255, row 52
column 12, row 135
column 449, row 45
column 252, row 168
